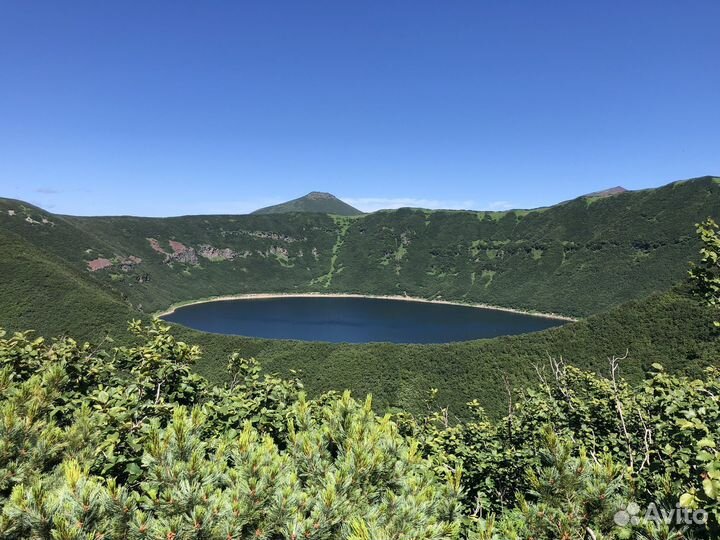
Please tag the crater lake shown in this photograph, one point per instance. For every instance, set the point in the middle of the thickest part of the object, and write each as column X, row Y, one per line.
column 355, row 320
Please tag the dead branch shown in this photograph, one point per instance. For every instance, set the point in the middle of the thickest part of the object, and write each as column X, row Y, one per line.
column 614, row 369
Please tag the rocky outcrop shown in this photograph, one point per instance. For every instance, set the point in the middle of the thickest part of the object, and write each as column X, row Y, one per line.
column 183, row 254
column 99, row 264
column 216, row 254
column 156, row 246
column 279, row 251
column 128, row 264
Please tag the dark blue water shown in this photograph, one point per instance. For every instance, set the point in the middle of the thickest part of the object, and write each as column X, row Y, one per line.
column 355, row 320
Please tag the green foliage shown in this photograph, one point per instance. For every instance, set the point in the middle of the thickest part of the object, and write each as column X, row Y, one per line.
column 90, row 448
column 326, row 484
column 646, row 443
column 132, row 442
column 706, row 274
column 147, row 449
column 706, row 495
column 572, row 496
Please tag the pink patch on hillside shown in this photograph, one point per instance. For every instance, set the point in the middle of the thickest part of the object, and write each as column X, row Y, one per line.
column 98, row 264
column 177, row 247
column 156, row 246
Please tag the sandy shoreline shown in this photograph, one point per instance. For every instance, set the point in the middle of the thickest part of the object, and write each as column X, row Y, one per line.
column 259, row 296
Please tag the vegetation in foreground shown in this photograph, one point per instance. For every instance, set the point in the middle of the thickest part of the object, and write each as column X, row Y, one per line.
column 130, row 443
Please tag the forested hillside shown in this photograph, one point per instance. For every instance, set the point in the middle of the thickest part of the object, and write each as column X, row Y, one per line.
column 576, row 258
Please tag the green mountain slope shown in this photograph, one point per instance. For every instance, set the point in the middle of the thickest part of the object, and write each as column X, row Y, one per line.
column 314, row 202
column 40, row 291
column 576, row 258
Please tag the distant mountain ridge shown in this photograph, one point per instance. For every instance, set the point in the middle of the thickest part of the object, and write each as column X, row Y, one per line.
column 320, row 202
column 317, row 202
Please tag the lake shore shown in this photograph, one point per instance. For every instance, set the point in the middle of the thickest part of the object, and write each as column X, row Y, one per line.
column 261, row 296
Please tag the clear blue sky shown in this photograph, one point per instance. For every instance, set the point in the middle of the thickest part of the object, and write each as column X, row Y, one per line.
column 163, row 108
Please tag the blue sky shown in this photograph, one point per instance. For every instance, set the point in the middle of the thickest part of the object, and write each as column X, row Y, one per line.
column 166, row 108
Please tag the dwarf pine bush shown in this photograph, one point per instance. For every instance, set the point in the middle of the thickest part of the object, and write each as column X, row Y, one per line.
column 132, row 444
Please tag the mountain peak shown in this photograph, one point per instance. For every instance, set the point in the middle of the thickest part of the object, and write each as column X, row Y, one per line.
column 319, row 202
column 617, row 190
column 316, row 195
